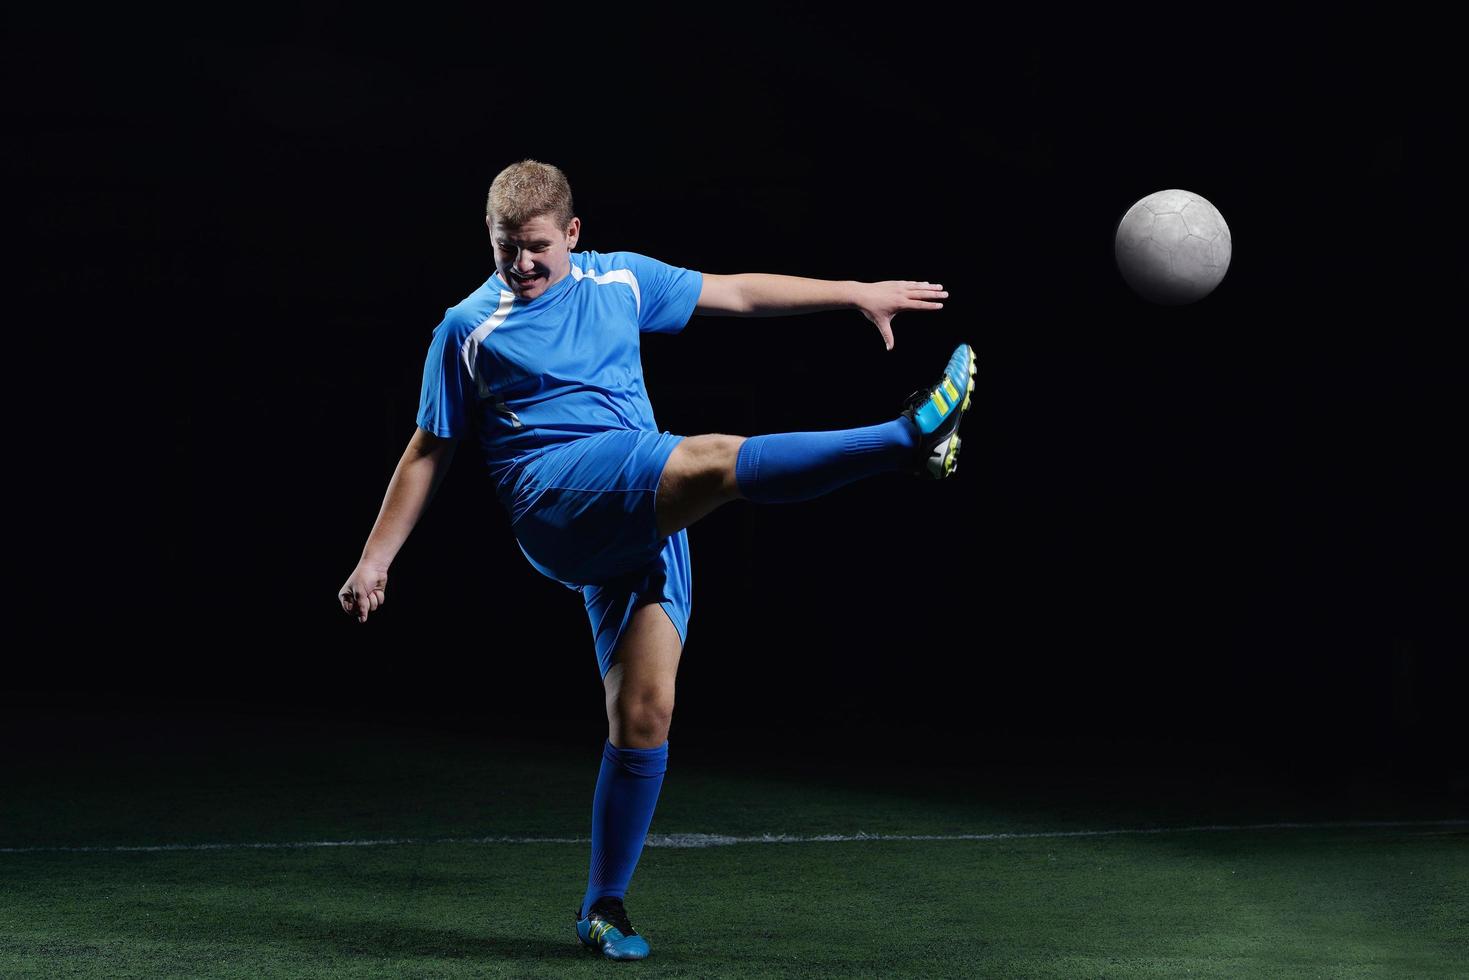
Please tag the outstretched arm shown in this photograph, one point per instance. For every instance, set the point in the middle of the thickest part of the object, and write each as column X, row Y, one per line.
column 763, row 294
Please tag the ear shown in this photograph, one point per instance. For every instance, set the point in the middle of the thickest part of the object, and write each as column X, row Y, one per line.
column 573, row 231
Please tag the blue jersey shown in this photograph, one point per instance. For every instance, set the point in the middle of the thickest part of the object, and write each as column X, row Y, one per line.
column 532, row 375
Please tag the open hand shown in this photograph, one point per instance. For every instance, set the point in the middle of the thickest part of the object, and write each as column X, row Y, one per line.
column 881, row 301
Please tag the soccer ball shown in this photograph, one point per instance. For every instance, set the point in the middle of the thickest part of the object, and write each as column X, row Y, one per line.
column 1172, row 247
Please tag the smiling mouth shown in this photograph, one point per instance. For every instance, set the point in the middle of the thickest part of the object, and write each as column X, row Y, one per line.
column 520, row 278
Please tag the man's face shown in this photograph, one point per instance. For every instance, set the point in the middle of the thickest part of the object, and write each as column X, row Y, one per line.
column 534, row 256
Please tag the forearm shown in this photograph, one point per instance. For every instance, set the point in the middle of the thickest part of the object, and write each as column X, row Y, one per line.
column 765, row 294
column 414, row 481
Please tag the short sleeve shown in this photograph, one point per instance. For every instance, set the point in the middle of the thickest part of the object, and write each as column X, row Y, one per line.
column 443, row 402
column 667, row 294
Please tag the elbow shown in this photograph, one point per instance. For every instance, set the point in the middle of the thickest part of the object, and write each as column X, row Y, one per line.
column 425, row 443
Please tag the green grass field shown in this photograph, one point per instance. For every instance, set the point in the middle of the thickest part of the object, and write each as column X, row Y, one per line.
column 1342, row 901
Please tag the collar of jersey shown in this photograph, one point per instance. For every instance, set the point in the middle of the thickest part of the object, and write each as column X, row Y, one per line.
column 555, row 290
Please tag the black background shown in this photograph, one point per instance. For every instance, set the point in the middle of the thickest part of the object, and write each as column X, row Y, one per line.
column 1235, row 525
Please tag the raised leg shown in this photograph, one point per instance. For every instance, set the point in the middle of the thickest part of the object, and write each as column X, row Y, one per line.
column 705, row 472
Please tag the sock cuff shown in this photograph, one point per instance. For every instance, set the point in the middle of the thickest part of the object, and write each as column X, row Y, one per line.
column 861, row 440
column 747, row 464
column 638, row 762
column 895, row 440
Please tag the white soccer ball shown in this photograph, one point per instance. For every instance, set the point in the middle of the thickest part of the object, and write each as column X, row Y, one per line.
column 1173, row 247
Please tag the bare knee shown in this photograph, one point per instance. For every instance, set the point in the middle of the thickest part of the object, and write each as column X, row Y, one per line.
column 640, row 718
column 698, row 477
column 708, row 461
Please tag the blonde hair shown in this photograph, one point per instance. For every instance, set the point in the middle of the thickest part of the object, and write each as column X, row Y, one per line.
column 528, row 189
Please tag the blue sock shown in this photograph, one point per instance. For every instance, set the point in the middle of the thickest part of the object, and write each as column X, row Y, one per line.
column 790, row 466
column 622, row 809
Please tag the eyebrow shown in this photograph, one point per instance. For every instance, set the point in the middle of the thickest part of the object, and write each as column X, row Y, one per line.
column 538, row 241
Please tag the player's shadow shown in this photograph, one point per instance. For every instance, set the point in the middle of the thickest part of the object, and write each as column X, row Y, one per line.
column 346, row 936
column 349, row 935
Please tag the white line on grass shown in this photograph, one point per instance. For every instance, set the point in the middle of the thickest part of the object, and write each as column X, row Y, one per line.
column 720, row 840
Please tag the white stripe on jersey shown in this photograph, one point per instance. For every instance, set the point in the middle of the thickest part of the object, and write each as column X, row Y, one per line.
column 469, row 350
column 616, row 275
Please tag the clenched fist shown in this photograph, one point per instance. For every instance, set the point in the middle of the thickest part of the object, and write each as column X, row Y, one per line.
column 364, row 591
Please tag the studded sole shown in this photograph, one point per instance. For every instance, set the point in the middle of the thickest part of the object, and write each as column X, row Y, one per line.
column 951, row 458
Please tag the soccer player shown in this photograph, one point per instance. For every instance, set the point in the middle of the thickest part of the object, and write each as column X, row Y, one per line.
column 542, row 363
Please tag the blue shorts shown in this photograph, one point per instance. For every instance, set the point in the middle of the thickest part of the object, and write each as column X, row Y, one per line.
column 593, row 527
